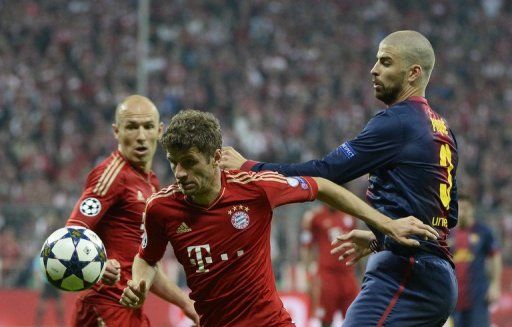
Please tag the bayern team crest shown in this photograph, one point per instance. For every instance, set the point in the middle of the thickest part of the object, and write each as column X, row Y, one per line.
column 239, row 216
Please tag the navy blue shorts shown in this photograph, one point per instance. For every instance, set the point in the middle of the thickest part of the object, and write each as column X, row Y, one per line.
column 477, row 316
column 400, row 290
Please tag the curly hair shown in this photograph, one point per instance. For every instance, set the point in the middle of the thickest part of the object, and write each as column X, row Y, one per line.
column 193, row 128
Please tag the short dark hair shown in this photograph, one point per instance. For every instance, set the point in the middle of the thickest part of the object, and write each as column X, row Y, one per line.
column 193, row 128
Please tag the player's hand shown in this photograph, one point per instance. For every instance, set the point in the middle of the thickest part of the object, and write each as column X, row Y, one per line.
column 190, row 312
column 134, row 294
column 401, row 229
column 353, row 246
column 112, row 272
column 101, row 322
column 231, row 159
column 493, row 294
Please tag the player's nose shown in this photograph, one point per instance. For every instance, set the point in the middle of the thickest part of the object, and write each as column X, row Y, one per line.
column 141, row 133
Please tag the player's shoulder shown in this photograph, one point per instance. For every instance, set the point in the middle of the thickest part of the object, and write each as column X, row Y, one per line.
column 166, row 194
column 107, row 173
column 239, row 177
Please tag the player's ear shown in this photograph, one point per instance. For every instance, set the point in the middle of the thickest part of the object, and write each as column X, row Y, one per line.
column 415, row 72
column 115, row 129
column 160, row 130
column 216, row 157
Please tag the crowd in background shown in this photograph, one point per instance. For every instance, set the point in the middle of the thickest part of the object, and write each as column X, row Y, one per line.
column 289, row 80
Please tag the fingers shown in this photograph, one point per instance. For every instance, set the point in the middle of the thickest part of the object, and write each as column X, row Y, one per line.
column 343, row 238
column 355, row 259
column 428, row 231
column 347, row 254
column 101, row 322
column 115, row 263
column 134, row 294
column 112, row 272
column 342, row 248
column 142, row 286
column 408, row 241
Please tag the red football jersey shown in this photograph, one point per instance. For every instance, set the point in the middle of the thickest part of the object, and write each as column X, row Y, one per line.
column 326, row 224
column 111, row 205
column 225, row 248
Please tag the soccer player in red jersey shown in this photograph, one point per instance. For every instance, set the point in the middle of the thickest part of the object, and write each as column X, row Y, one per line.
column 218, row 223
column 320, row 227
column 111, row 205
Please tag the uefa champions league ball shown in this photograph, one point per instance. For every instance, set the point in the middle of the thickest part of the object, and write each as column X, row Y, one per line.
column 73, row 258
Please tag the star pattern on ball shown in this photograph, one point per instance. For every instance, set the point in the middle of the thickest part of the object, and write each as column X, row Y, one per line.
column 74, row 266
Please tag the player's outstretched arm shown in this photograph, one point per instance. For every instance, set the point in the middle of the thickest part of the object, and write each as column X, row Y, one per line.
column 170, row 292
column 399, row 229
column 143, row 275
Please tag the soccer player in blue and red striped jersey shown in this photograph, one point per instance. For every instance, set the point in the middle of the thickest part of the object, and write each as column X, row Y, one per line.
column 478, row 266
column 218, row 223
column 410, row 154
column 111, row 204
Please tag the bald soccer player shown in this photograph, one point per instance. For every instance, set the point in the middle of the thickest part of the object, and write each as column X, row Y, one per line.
column 119, row 186
column 410, row 154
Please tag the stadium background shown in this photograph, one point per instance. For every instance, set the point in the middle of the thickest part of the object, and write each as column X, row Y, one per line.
column 289, row 80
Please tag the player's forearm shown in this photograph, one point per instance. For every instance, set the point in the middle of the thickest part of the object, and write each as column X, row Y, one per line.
column 495, row 268
column 340, row 198
column 167, row 290
column 141, row 270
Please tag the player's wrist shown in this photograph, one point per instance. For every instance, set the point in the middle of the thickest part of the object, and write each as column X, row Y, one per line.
column 374, row 245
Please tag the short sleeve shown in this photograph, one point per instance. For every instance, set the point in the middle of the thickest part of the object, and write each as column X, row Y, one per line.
column 154, row 241
column 282, row 190
column 103, row 189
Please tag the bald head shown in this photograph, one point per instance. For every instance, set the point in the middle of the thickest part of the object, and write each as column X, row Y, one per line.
column 135, row 105
column 137, row 128
column 414, row 48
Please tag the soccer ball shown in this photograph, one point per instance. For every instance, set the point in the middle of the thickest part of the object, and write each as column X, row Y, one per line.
column 73, row 258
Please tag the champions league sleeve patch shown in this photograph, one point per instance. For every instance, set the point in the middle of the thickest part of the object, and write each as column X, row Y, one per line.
column 296, row 181
column 90, row 207
column 347, row 150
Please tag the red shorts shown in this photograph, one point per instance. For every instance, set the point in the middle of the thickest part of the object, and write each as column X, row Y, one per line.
column 87, row 314
column 337, row 291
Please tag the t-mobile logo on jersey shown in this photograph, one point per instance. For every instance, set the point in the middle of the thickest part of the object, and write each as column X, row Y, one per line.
column 200, row 261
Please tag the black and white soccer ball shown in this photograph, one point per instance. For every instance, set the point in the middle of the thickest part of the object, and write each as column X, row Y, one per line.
column 73, row 258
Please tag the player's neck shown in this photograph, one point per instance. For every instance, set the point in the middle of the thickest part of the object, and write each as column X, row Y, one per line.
column 409, row 92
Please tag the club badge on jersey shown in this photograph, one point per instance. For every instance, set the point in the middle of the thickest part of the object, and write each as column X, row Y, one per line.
column 239, row 216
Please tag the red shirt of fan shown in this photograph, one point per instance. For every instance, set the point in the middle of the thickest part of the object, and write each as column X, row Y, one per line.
column 326, row 224
column 111, row 205
column 225, row 248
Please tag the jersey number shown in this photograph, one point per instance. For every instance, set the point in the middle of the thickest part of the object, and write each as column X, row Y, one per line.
column 445, row 160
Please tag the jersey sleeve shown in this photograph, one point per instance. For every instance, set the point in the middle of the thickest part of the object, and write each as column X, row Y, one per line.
column 102, row 190
column 491, row 246
column 378, row 144
column 154, row 241
column 282, row 190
